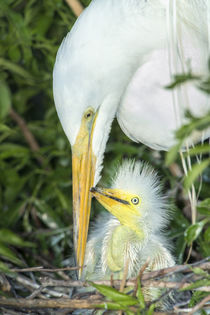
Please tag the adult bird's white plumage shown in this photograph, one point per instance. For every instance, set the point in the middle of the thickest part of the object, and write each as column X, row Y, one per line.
column 116, row 62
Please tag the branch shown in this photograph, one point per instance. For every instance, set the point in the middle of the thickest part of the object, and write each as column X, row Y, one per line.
column 43, row 294
column 51, row 303
column 31, row 285
column 203, row 264
column 42, row 269
column 117, row 284
column 75, row 6
column 62, row 304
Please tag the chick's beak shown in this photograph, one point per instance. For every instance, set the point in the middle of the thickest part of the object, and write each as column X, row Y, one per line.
column 83, row 171
column 110, row 198
column 117, row 202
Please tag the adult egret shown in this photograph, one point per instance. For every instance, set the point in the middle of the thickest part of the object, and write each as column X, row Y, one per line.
column 131, row 234
column 115, row 62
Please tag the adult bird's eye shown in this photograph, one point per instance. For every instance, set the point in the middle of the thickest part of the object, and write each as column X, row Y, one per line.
column 135, row 200
column 88, row 114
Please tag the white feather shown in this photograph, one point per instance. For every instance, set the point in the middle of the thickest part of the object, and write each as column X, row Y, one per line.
column 115, row 60
column 141, row 179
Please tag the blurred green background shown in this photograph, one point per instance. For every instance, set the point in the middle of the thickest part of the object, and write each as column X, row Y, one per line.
column 35, row 155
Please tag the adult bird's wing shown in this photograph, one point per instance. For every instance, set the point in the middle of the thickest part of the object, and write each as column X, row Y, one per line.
column 148, row 112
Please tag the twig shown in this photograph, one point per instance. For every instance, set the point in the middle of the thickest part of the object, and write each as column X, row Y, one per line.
column 140, row 275
column 50, row 303
column 75, row 6
column 189, row 254
column 203, row 264
column 29, row 137
column 61, row 304
column 42, row 269
column 117, row 284
column 34, row 286
column 47, row 265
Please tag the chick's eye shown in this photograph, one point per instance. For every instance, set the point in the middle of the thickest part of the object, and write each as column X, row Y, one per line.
column 135, row 200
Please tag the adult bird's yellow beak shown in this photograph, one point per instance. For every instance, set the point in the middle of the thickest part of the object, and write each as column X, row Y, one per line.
column 83, row 170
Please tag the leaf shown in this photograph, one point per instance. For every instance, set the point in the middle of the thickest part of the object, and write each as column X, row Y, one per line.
column 108, row 306
column 151, row 309
column 14, row 68
column 199, row 271
column 4, row 127
column 5, row 99
column 9, row 255
column 140, row 296
column 6, row 236
column 182, row 78
column 196, row 170
column 195, row 123
column 48, row 216
column 197, row 284
column 171, row 155
column 193, row 231
column 207, row 235
column 9, row 150
column 204, row 207
column 63, row 200
column 198, row 149
column 115, row 295
column 197, row 296
column 4, row 268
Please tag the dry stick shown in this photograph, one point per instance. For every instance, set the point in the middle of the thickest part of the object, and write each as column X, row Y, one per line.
column 203, row 264
column 146, row 276
column 29, row 137
column 117, row 283
column 61, row 273
column 60, row 304
column 50, row 303
column 42, row 269
column 75, row 6
column 140, row 275
column 34, row 286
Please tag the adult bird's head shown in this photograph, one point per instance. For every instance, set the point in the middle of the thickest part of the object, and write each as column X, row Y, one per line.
column 135, row 198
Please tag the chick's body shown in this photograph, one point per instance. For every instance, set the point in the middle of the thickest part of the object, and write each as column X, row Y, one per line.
column 131, row 233
column 109, row 250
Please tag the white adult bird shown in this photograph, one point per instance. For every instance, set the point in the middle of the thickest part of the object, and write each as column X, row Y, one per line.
column 116, row 62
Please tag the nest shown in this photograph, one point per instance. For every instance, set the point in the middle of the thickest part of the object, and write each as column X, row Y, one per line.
column 52, row 291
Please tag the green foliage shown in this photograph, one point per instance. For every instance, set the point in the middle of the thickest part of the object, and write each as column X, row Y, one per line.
column 35, row 193
column 122, row 301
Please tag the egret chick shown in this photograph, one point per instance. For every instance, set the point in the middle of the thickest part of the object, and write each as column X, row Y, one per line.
column 132, row 231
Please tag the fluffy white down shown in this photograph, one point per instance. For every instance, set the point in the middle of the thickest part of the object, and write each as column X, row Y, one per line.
column 140, row 179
